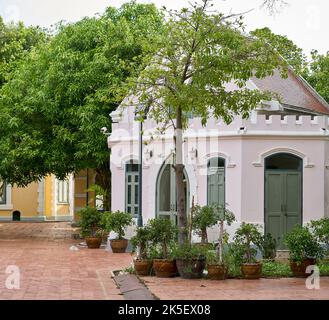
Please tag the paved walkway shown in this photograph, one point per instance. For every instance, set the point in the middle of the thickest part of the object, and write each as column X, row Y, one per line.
column 234, row 289
column 50, row 270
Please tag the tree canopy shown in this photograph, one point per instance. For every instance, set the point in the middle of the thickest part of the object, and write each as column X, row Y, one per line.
column 60, row 95
column 201, row 51
column 16, row 41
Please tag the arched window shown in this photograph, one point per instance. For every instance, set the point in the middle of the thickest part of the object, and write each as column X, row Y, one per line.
column 216, row 181
column 283, row 161
column 132, row 187
column 3, row 194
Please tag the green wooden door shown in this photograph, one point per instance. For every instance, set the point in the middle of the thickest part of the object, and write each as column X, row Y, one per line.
column 283, row 203
column 216, row 187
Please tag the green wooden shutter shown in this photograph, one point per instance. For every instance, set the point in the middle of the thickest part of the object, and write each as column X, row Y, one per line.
column 273, row 207
column 216, row 186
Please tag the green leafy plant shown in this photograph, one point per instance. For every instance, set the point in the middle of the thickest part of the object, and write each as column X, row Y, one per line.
column 320, row 229
column 247, row 238
column 273, row 269
column 91, row 222
column 118, row 221
column 267, row 246
column 163, row 233
column 203, row 218
column 302, row 244
column 189, row 252
column 142, row 240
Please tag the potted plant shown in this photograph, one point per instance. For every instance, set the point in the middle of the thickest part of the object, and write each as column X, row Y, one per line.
column 190, row 260
column 303, row 250
column 92, row 228
column 201, row 219
column 163, row 233
column 320, row 230
column 246, row 240
column 117, row 222
column 268, row 247
column 140, row 242
column 216, row 264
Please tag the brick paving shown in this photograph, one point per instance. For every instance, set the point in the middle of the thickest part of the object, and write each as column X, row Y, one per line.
column 234, row 289
column 50, row 270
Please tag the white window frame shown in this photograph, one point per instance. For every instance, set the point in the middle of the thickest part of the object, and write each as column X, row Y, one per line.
column 63, row 191
column 7, row 205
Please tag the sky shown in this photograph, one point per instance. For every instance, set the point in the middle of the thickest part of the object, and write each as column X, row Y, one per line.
column 303, row 21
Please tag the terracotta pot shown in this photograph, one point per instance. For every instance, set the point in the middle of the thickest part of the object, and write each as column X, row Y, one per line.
column 299, row 270
column 191, row 268
column 93, row 242
column 143, row 267
column 217, row 271
column 164, row 268
column 119, row 245
column 251, row 270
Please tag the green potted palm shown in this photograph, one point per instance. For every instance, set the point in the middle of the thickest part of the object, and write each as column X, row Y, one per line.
column 92, row 226
column 216, row 263
column 163, row 234
column 118, row 221
column 141, row 244
column 246, row 242
column 304, row 250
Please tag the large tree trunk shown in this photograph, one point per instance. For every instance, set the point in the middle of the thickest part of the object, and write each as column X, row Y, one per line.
column 104, row 180
column 179, row 169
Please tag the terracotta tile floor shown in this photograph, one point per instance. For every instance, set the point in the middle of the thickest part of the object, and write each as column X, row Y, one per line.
column 232, row 289
column 50, row 270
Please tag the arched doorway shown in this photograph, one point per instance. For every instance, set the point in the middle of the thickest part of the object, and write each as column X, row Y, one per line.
column 283, row 194
column 166, row 198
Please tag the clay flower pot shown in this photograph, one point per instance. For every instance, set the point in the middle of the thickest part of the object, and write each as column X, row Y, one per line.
column 217, row 271
column 299, row 270
column 119, row 245
column 191, row 268
column 251, row 270
column 143, row 267
column 164, row 268
column 93, row 242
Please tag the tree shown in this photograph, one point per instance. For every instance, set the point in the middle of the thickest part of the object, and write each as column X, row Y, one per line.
column 201, row 51
column 16, row 41
column 293, row 55
column 60, row 95
column 318, row 76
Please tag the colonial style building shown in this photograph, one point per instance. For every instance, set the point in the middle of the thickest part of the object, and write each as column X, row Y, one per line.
column 49, row 199
column 271, row 169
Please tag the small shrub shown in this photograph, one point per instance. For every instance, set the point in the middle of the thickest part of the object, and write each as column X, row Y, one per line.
column 268, row 246
column 91, row 222
column 118, row 221
column 302, row 244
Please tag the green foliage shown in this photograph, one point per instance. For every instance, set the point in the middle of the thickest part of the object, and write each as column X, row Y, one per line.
column 245, row 237
column 302, row 244
column 189, row 252
column 91, row 222
column 267, row 246
column 16, row 41
column 318, row 76
column 271, row 269
column 293, row 55
column 200, row 52
column 142, row 239
column 164, row 233
column 203, row 218
column 320, row 229
column 117, row 221
column 61, row 94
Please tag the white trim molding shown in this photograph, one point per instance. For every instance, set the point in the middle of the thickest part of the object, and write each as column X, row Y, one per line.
column 262, row 156
column 228, row 162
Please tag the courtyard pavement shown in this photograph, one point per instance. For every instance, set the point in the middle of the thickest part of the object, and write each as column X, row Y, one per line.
column 50, row 269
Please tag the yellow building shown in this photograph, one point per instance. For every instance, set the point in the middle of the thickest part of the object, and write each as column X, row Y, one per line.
column 49, row 199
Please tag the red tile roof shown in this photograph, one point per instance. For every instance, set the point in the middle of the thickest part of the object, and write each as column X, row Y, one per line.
column 294, row 91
